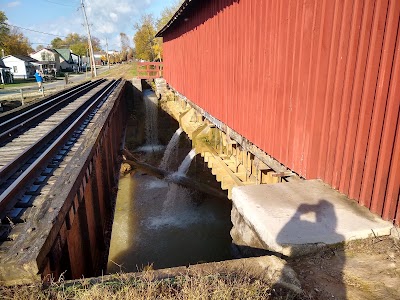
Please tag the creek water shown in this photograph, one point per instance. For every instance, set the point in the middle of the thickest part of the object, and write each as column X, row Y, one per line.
column 170, row 154
column 162, row 224
column 150, row 101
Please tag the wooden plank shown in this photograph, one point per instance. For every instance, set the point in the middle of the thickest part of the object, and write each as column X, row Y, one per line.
column 378, row 117
column 392, row 193
column 386, row 159
column 224, row 166
column 331, row 78
column 322, row 69
column 368, row 100
column 344, row 53
column 356, row 95
column 282, row 174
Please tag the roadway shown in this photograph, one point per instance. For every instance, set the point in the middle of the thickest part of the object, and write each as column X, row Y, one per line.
column 9, row 92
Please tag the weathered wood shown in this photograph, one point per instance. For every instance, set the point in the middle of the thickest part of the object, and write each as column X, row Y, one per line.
column 181, row 180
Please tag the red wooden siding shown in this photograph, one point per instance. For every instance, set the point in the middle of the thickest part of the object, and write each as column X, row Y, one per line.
column 314, row 83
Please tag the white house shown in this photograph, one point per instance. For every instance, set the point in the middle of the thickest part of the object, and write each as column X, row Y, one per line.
column 49, row 58
column 4, row 73
column 77, row 61
column 21, row 66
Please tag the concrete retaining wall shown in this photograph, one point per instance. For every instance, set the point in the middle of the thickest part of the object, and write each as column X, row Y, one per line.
column 68, row 232
column 80, row 246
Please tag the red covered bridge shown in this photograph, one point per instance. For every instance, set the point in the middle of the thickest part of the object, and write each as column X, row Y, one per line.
column 313, row 83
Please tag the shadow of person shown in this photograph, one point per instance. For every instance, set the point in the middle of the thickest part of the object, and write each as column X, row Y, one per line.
column 305, row 239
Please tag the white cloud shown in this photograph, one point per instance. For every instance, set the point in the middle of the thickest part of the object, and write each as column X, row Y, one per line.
column 106, row 18
column 114, row 17
column 13, row 4
column 110, row 17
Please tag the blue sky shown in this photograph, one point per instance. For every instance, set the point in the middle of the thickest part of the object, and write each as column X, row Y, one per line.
column 107, row 17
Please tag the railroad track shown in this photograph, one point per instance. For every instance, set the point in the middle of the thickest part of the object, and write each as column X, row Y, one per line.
column 18, row 121
column 35, row 145
column 12, row 113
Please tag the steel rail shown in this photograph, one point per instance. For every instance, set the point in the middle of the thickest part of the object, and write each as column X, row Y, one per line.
column 9, row 127
column 17, row 113
column 20, row 110
column 19, row 183
column 13, row 166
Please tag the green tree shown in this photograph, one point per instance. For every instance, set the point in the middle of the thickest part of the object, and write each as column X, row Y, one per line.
column 77, row 43
column 96, row 44
column 148, row 47
column 167, row 13
column 4, row 30
column 57, row 43
column 131, row 54
column 144, row 38
column 125, row 46
column 39, row 47
column 12, row 41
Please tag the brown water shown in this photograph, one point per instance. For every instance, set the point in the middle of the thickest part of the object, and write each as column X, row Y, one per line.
column 166, row 225
column 160, row 223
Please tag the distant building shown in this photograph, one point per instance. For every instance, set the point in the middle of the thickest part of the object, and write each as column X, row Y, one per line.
column 21, row 66
column 58, row 59
column 49, row 59
column 98, row 58
column 5, row 74
column 77, row 61
column 67, row 62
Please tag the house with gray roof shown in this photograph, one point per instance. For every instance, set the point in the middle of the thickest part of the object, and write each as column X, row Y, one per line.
column 66, row 59
column 21, row 66
column 49, row 59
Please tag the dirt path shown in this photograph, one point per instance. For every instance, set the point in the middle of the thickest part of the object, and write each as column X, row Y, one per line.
column 368, row 269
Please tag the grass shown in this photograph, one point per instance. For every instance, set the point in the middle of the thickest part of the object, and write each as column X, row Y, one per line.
column 230, row 285
column 19, row 83
column 133, row 71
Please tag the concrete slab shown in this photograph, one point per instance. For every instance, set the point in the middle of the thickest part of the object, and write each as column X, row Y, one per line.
column 294, row 218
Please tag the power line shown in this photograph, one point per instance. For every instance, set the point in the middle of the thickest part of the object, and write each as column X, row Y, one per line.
column 59, row 3
column 33, row 30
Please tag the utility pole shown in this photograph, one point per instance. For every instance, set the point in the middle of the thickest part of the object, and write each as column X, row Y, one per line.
column 92, row 62
column 108, row 58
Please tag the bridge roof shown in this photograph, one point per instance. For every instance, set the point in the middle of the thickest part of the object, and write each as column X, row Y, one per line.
column 183, row 10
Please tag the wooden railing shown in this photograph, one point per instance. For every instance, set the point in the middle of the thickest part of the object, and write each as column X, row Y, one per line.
column 149, row 70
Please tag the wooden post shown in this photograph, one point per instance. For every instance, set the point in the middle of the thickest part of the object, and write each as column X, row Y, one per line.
column 43, row 91
column 22, row 97
column 245, row 163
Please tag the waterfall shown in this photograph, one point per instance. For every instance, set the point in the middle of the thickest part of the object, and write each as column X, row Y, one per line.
column 175, row 191
column 171, row 149
column 184, row 167
column 151, row 104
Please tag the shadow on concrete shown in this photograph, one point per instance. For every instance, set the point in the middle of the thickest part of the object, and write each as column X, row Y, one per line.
column 318, row 218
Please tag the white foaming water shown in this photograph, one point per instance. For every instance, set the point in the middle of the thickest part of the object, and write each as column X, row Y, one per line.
column 178, row 211
column 156, row 184
column 184, row 167
column 150, row 148
column 151, row 104
column 171, row 149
